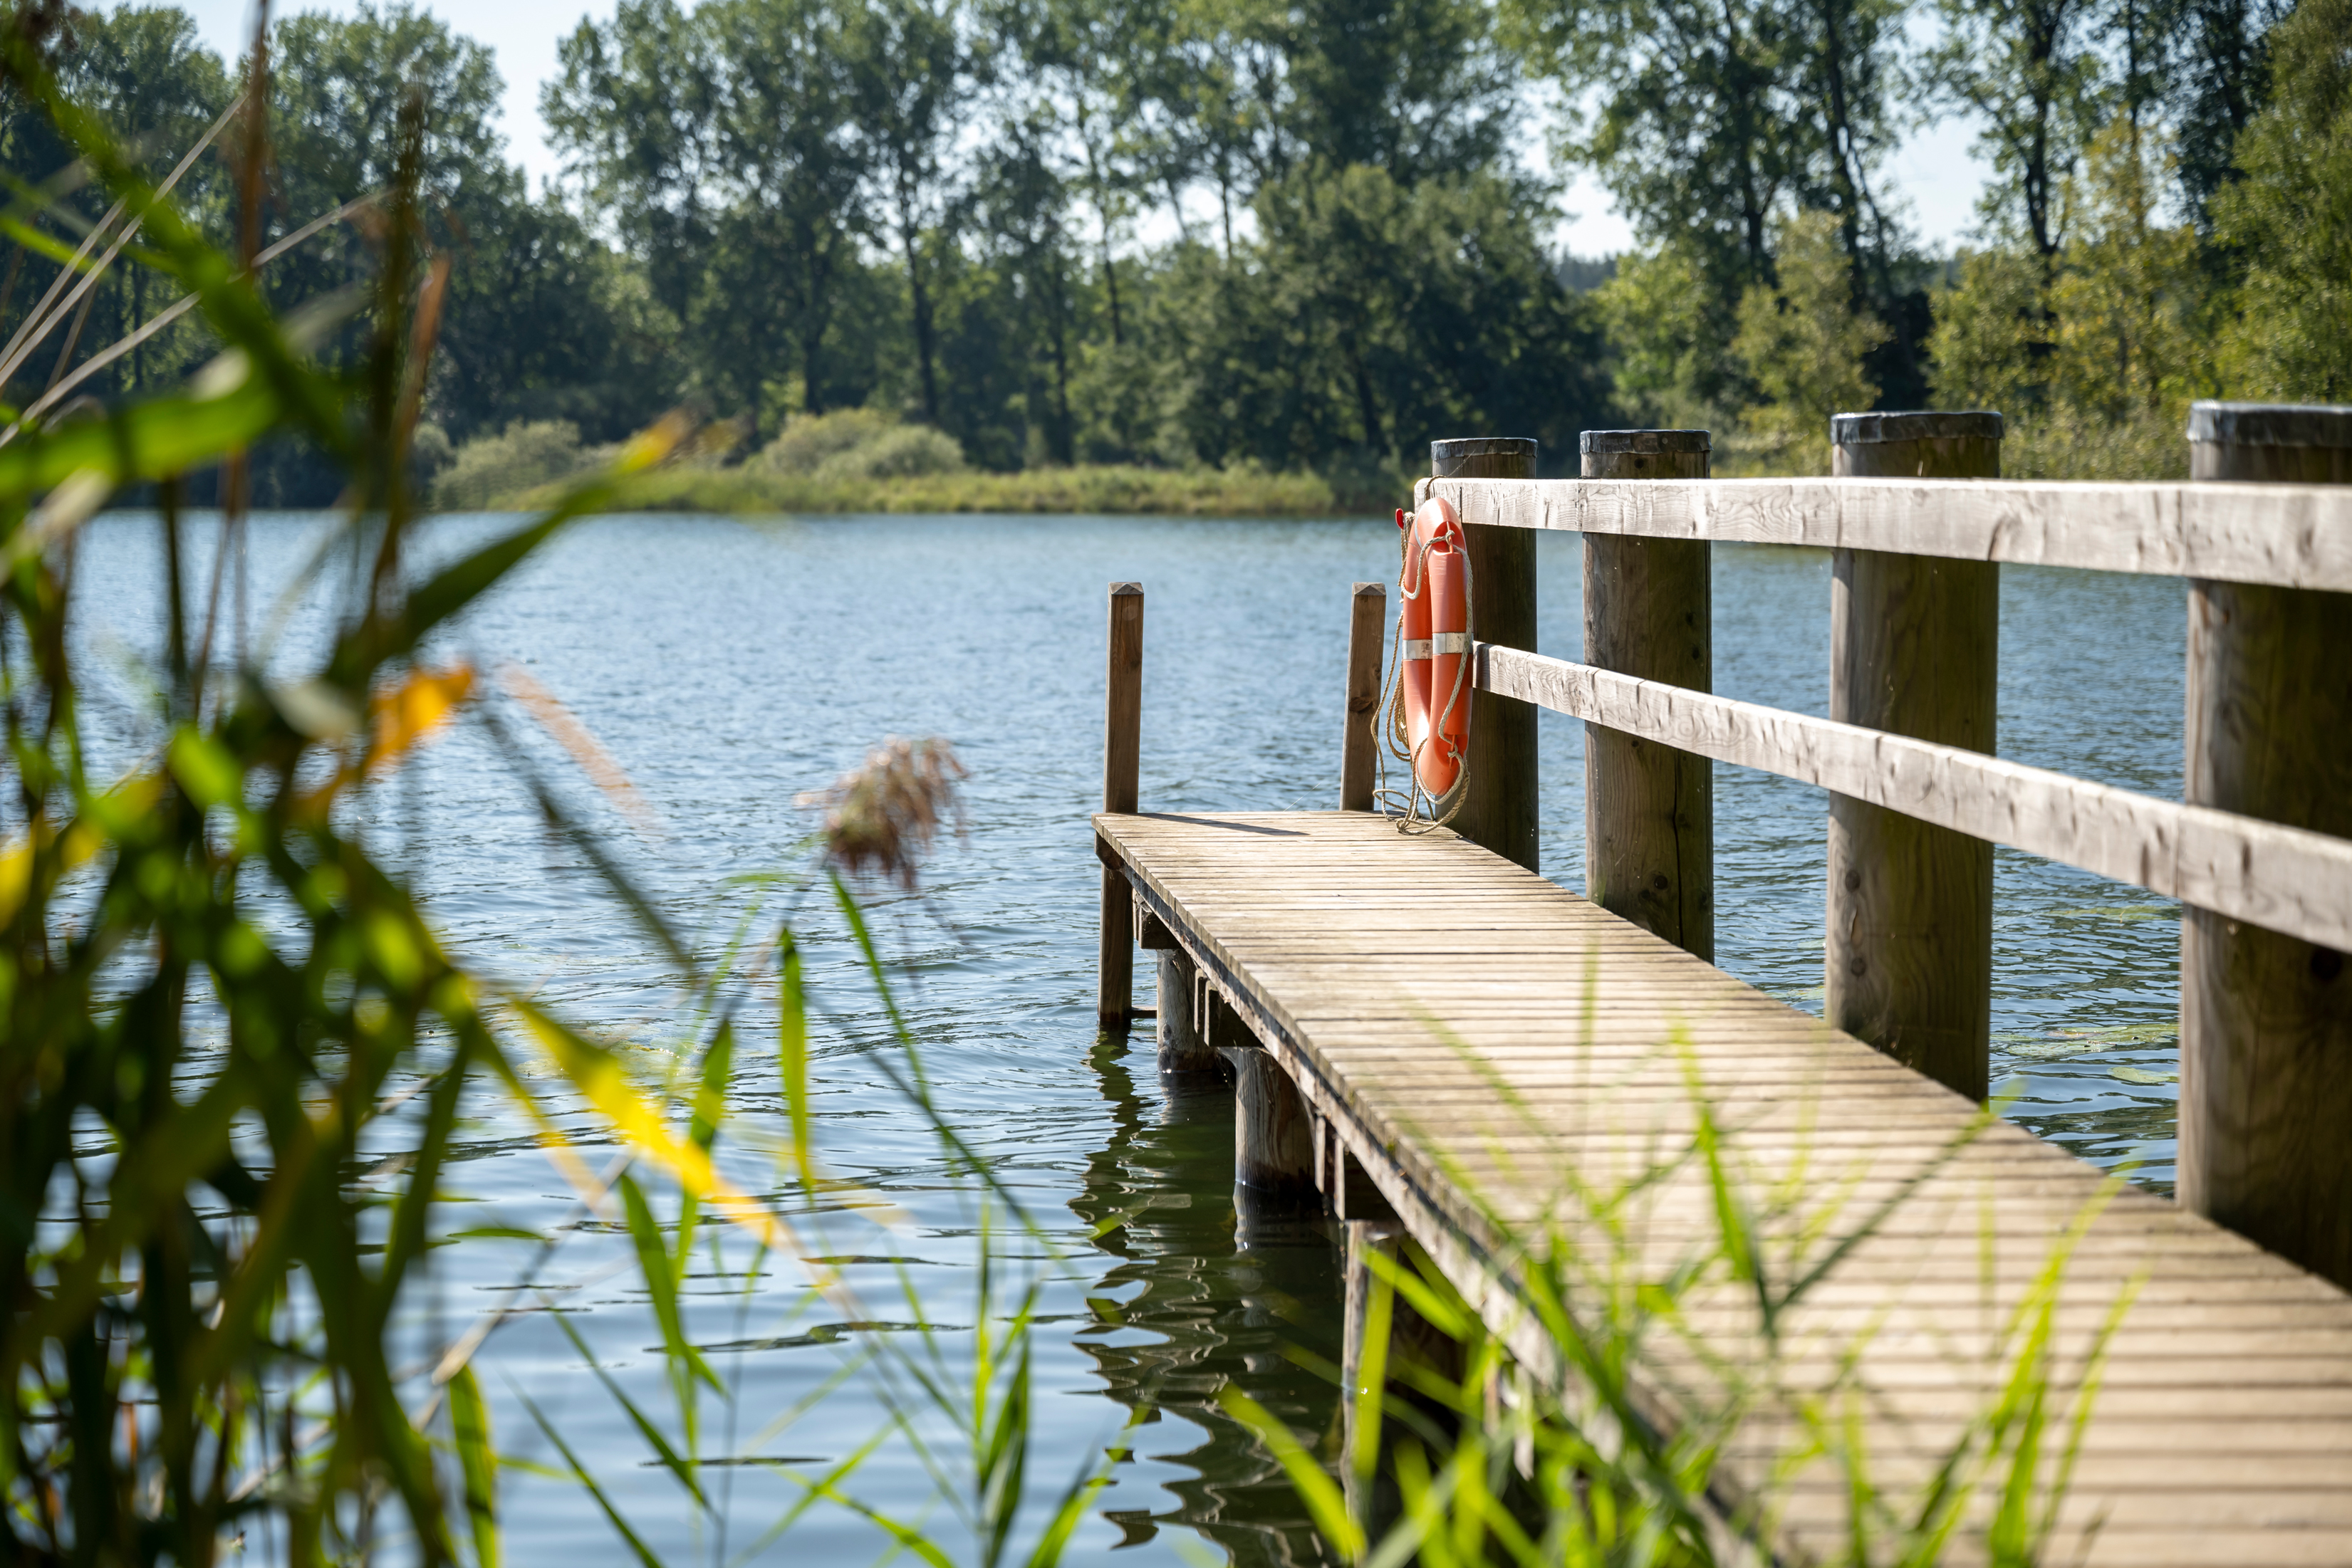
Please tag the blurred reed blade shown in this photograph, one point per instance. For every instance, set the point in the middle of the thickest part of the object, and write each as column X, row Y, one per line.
column 37, row 325
column 671, row 1461
column 1325, row 1504
column 163, row 319
column 574, row 737
column 469, row 1424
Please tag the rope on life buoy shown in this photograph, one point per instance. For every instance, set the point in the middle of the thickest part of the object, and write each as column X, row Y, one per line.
column 1412, row 809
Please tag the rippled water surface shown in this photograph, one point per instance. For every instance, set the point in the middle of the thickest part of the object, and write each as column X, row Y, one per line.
column 729, row 665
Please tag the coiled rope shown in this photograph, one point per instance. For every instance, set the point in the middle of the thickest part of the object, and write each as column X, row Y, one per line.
column 1412, row 809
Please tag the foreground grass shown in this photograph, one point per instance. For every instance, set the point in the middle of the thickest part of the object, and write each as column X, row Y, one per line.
column 1202, row 491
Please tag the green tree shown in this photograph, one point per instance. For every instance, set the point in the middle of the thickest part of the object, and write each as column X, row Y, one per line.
column 1805, row 342
column 141, row 69
column 1992, row 338
column 1370, row 316
column 2219, row 81
column 1701, row 130
column 2125, row 300
column 778, row 254
column 1655, row 313
column 635, row 112
column 2290, row 215
column 2029, row 71
column 911, row 79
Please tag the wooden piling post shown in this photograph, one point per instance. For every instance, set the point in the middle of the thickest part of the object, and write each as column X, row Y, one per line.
column 1122, row 753
column 1913, row 645
column 1500, row 810
column 1274, row 1144
column 1649, row 810
column 2266, row 1019
column 1359, row 748
column 1184, row 1047
column 1371, row 1351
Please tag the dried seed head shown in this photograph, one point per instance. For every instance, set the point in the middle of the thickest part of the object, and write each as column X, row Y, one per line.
column 880, row 818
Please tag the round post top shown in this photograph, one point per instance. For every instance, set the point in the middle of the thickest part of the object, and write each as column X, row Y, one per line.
column 1482, row 457
column 2272, row 424
column 1644, row 441
column 1919, row 424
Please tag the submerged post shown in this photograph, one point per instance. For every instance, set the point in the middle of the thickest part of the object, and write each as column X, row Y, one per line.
column 1359, row 748
column 1122, row 754
column 1500, row 809
column 1273, row 1142
column 1913, row 645
column 1649, row 810
column 2266, row 1019
column 1184, row 1049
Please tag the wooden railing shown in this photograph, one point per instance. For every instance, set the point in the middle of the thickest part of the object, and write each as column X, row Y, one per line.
column 2259, row 852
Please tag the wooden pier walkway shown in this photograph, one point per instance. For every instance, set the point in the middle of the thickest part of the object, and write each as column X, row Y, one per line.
column 1463, row 1032
column 1427, row 1036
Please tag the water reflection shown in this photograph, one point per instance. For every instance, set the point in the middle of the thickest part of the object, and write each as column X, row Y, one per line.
column 1204, row 1299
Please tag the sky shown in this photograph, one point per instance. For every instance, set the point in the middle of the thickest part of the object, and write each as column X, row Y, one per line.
column 1936, row 176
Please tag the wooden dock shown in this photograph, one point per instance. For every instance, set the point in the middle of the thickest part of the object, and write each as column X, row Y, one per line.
column 1427, row 1036
column 1463, row 1032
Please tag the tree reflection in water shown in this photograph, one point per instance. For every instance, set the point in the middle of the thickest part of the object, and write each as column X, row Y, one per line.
column 1220, row 1296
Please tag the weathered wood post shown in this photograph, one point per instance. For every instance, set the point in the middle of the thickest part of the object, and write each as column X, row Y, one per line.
column 1122, row 754
column 1378, row 1331
column 1273, row 1146
column 1359, row 747
column 1914, row 645
column 2266, row 1019
column 1500, row 810
column 1183, row 1036
column 1649, row 810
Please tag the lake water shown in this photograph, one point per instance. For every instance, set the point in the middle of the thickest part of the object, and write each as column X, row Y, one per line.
column 729, row 665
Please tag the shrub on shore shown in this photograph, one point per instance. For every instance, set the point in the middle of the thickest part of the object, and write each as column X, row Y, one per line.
column 1108, row 487
column 524, row 455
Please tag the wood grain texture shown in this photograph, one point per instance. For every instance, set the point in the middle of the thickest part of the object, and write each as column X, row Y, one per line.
column 1274, row 1144
column 2266, row 1017
column 2283, row 879
column 1500, row 809
column 1914, row 650
column 2224, row 1434
column 1359, row 746
column 1183, row 1048
column 1122, row 755
column 2292, row 536
column 1649, row 810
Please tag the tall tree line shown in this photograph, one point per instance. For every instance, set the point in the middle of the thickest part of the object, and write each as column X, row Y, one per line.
column 1294, row 232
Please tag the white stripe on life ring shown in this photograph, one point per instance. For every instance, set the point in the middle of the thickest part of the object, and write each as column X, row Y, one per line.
column 1444, row 642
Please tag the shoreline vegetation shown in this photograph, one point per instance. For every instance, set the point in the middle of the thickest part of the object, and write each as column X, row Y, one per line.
column 1091, row 488
column 863, row 461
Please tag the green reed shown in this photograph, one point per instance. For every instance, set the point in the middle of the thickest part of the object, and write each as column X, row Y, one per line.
column 221, row 1004
column 1611, row 1445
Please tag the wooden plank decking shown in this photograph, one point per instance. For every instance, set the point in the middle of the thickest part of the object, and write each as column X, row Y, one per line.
column 1469, row 1033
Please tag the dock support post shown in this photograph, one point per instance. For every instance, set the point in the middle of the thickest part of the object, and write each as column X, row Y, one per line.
column 1913, row 645
column 1380, row 1331
column 1122, row 754
column 1274, row 1144
column 2266, row 1019
column 1649, row 810
column 1501, row 809
column 1183, row 1032
column 1368, row 624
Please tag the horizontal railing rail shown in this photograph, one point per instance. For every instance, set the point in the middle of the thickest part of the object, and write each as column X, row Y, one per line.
column 2287, row 535
column 2283, row 879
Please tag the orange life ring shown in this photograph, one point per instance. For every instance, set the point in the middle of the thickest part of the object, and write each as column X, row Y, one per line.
column 1434, row 616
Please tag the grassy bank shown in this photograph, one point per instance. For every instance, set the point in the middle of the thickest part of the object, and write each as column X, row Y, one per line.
column 1202, row 492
